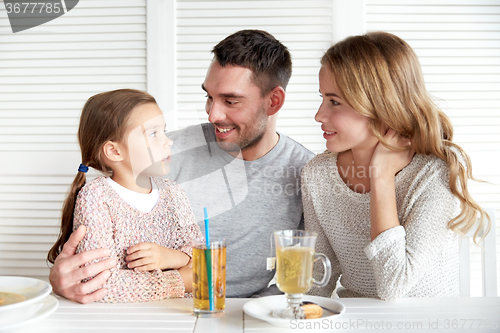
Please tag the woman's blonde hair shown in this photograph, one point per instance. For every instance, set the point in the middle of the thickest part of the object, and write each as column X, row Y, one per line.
column 379, row 75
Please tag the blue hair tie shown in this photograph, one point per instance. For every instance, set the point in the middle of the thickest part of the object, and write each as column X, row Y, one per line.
column 83, row 168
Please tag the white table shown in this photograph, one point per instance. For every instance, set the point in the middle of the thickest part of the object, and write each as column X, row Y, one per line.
column 175, row 315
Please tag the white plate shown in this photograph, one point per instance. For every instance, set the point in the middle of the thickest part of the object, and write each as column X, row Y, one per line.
column 47, row 307
column 33, row 290
column 262, row 307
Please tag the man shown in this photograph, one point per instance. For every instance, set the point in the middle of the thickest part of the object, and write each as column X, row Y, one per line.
column 238, row 166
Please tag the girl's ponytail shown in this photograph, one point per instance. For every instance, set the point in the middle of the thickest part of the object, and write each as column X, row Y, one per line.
column 67, row 215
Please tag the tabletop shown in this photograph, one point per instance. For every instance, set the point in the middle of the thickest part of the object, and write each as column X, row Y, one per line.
column 362, row 314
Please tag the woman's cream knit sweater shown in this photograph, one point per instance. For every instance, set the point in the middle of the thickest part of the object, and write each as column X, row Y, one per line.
column 419, row 258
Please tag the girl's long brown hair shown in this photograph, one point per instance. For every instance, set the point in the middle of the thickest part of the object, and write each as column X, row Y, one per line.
column 379, row 75
column 104, row 118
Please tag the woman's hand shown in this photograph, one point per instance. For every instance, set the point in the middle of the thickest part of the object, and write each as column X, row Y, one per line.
column 384, row 166
column 148, row 256
column 387, row 163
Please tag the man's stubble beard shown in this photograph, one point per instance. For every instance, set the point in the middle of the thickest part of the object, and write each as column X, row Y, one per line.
column 249, row 140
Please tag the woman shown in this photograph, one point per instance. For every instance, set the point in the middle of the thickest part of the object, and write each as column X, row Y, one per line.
column 389, row 198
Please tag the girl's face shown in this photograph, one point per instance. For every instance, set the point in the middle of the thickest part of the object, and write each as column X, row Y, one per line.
column 343, row 127
column 148, row 148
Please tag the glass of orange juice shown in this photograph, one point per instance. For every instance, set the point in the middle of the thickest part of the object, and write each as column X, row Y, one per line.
column 205, row 283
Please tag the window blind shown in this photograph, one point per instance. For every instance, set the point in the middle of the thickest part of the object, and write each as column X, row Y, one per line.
column 46, row 75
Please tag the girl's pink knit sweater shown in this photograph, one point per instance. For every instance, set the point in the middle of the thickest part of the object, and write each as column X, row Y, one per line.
column 112, row 223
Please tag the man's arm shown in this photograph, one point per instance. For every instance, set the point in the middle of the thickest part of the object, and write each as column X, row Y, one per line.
column 67, row 273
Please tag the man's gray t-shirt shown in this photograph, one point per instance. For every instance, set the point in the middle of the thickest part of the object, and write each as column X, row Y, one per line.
column 246, row 200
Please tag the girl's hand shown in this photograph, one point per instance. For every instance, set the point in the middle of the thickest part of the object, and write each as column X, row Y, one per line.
column 148, row 256
column 387, row 163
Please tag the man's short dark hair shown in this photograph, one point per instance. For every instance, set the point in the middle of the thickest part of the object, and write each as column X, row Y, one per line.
column 259, row 51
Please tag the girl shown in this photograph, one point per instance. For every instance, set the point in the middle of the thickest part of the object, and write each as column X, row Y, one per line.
column 389, row 197
column 144, row 219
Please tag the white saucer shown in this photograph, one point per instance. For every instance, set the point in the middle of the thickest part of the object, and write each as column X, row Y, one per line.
column 262, row 307
column 47, row 306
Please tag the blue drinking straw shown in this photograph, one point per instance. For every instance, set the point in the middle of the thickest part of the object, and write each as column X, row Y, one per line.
column 208, row 260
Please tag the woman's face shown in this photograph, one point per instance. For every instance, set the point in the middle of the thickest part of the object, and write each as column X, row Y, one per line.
column 343, row 127
column 148, row 147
